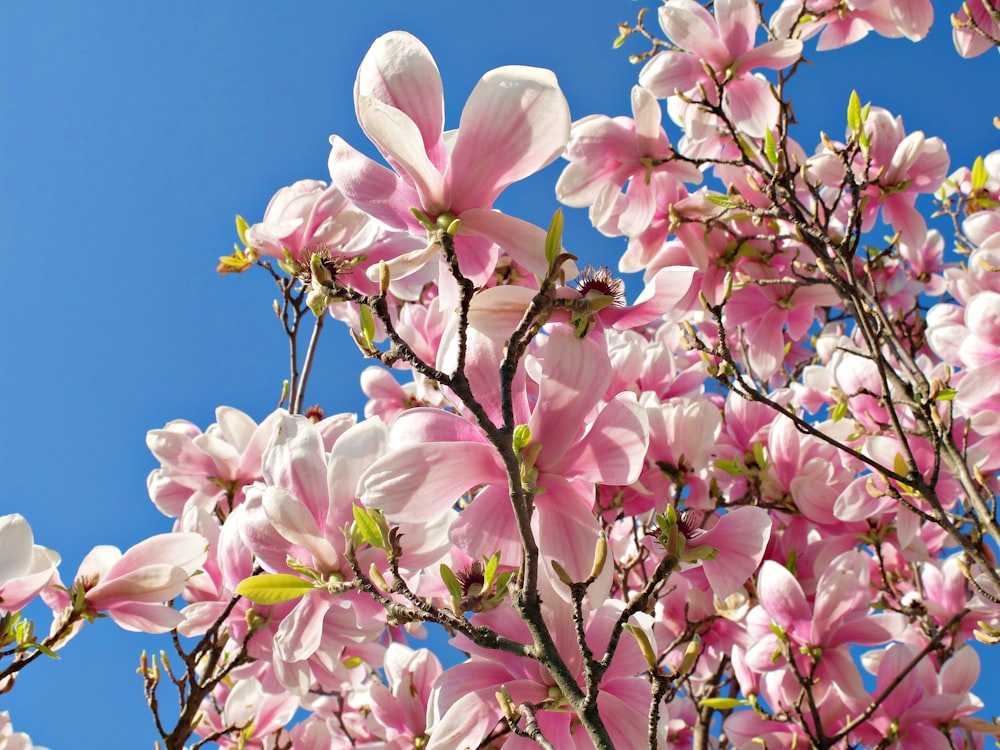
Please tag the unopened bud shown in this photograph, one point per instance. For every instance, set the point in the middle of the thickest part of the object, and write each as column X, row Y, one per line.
column 384, row 276
column 377, row 578
column 690, row 656
column 561, row 573
column 645, row 647
column 600, row 557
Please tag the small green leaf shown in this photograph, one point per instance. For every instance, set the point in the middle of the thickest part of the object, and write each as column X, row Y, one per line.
column 366, row 527
column 721, row 200
column 454, row 587
column 947, row 394
column 619, row 41
column 367, row 325
column 722, row 704
column 979, row 174
column 490, row 571
column 522, row 436
column 553, row 238
column 730, row 466
column 854, row 112
column 273, row 588
column 770, row 149
column 241, row 229
column 839, row 411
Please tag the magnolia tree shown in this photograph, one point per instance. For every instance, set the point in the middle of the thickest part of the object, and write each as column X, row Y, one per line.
column 693, row 521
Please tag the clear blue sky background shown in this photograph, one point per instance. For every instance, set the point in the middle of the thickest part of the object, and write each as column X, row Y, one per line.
column 130, row 136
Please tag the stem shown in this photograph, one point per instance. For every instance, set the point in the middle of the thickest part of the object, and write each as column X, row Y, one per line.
column 295, row 407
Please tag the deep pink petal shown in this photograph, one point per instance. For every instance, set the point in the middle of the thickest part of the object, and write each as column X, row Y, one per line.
column 575, row 375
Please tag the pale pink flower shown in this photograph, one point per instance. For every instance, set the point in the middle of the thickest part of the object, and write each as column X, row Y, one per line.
column 843, row 23
column 308, row 217
column 607, row 153
column 435, row 457
column 918, row 711
column 134, row 588
column 837, row 618
column 726, row 44
column 399, row 708
column 11, row 740
column 465, row 698
column 25, row 567
column 515, row 122
column 247, row 707
column 967, row 41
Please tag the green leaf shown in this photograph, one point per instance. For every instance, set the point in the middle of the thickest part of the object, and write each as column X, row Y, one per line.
column 241, row 229
column 273, row 588
column 947, row 394
column 490, row 571
column 367, row 325
column 454, row 587
column 770, row 149
column 722, row 704
column 839, row 411
column 619, row 41
column 366, row 527
column 854, row 112
column 721, row 200
column 553, row 238
column 979, row 174
column 522, row 436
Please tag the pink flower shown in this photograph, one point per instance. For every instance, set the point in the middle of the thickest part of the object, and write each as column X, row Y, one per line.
column 967, row 41
column 25, row 567
column 435, row 457
column 133, row 587
column 837, row 618
column 606, row 153
column 515, row 122
column 726, row 45
column 844, row 23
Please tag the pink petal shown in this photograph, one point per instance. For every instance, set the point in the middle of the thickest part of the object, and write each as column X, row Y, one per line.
column 737, row 21
column 398, row 138
column 614, row 450
column 515, row 122
column 374, row 189
column 398, row 70
column 751, row 105
column 669, row 72
column 741, row 536
column 781, row 596
column 523, row 241
column 419, row 483
column 575, row 374
column 688, row 25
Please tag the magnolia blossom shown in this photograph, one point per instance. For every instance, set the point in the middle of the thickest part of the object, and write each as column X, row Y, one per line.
column 25, row 567
column 840, row 23
column 11, row 740
column 515, row 122
column 725, row 45
column 133, row 587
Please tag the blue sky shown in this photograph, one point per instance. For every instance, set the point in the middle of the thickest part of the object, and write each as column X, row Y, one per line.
column 130, row 136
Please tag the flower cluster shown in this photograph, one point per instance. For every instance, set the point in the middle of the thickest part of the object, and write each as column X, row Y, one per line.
column 638, row 523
